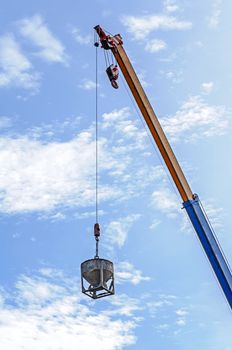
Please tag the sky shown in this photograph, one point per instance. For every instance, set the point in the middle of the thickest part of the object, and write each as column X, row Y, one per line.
column 167, row 296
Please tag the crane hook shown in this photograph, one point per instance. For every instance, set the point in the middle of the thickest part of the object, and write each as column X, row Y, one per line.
column 113, row 72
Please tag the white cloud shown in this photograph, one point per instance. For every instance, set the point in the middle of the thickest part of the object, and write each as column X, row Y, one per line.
column 41, row 176
column 115, row 115
column 215, row 214
column 181, row 322
column 40, row 173
column 170, row 6
column 121, row 122
column 214, row 19
column 169, row 75
column 207, row 88
column 117, row 231
column 162, row 327
column 87, row 84
column 156, row 305
column 37, row 291
column 15, row 68
column 124, row 305
column 182, row 312
column 51, row 49
column 51, row 273
column 48, row 311
column 196, row 119
column 155, row 45
column 89, row 214
column 165, row 201
column 81, row 39
column 155, row 224
column 126, row 272
column 54, row 128
column 164, row 307
column 141, row 26
column 175, row 77
column 57, row 217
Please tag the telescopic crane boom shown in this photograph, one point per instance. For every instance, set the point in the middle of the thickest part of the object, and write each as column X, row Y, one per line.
column 190, row 201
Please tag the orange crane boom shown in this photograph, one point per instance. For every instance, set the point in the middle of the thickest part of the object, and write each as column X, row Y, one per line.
column 150, row 117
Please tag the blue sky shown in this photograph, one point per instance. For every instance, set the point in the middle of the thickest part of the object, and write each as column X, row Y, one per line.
column 166, row 294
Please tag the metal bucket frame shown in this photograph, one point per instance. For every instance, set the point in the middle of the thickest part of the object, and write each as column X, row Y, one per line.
column 104, row 288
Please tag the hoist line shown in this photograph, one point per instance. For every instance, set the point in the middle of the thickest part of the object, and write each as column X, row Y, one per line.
column 96, row 135
column 96, row 226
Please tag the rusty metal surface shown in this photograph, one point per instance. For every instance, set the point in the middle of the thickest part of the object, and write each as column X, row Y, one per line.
column 92, row 264
column 97, row 278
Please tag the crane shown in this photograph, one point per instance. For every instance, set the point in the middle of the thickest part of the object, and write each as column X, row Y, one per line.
column 191, row 202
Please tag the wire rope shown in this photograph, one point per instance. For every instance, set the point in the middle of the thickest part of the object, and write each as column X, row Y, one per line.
column 96, row 134
column 96, row 226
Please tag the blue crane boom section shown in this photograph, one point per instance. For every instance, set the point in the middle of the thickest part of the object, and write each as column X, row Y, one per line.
column 210, row 245
column 191, row 201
